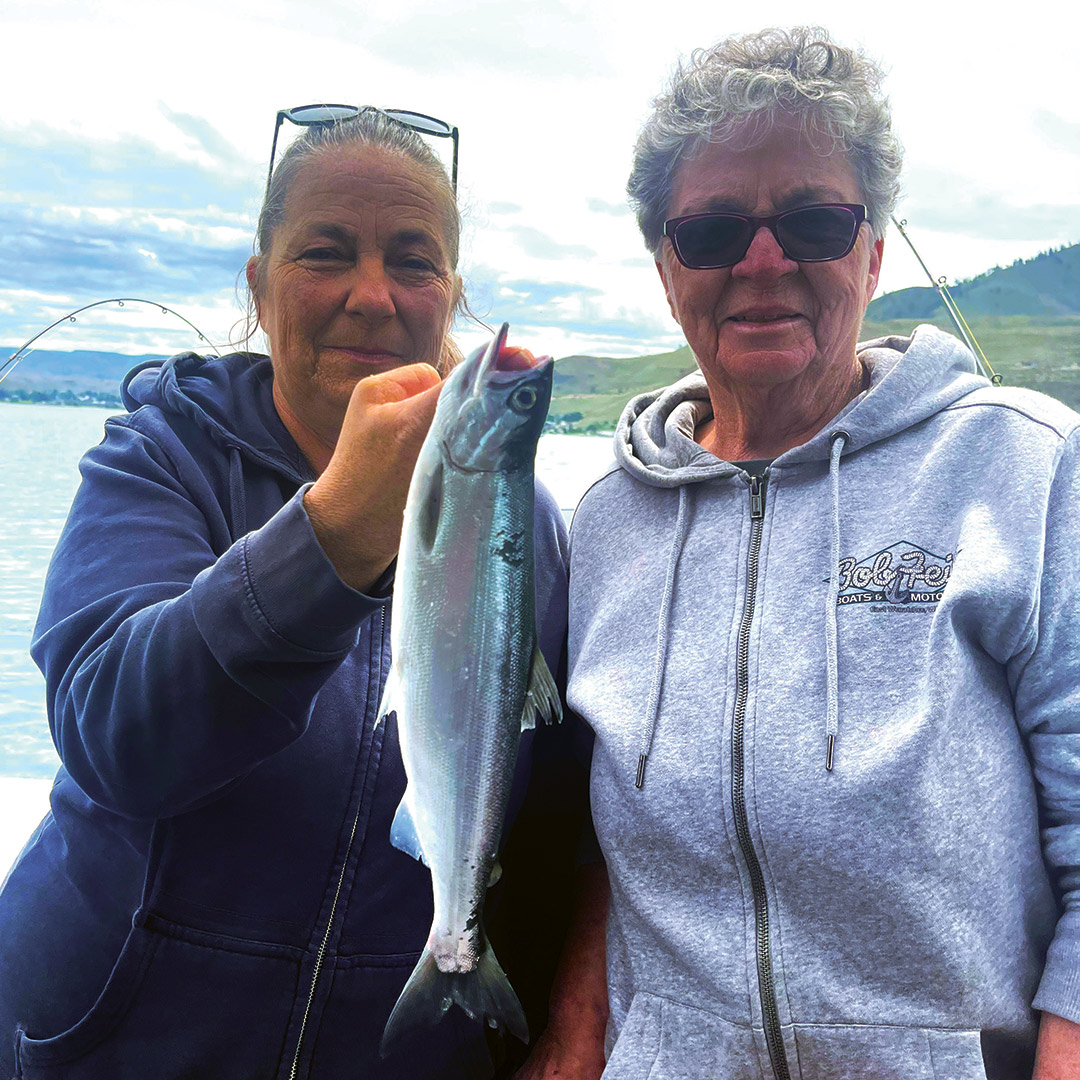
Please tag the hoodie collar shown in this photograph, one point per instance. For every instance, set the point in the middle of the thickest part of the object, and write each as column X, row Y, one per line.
column 229, row 397
column 911, row 379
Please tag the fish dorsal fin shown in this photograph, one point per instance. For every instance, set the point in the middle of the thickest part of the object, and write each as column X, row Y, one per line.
column 403, row 831
column 542, row 698
column 496, row 873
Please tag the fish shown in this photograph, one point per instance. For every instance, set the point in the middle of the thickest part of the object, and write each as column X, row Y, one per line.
column 467, row 675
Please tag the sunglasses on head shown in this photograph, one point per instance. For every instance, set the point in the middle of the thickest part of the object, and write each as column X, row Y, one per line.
column 314, row 115
column 819, row 233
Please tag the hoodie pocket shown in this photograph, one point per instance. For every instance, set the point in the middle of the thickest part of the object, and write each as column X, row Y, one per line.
column 172, row 1008
column 665, row 1040
column 871, row 1052
column 662, row 1038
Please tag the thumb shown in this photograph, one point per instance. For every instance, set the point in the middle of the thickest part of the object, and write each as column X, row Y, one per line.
column 396, row 385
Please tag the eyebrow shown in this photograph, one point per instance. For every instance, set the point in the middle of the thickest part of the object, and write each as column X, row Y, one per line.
column 811, row 194
column 332, row 231
column 328, row 230
column 405, row 237
column 803, row 196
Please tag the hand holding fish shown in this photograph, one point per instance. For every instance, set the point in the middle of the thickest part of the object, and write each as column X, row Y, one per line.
column 356, row 505
column 571, row 1047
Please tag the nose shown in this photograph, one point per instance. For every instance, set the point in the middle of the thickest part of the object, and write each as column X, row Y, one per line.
column 764, row 258
column 370, row 290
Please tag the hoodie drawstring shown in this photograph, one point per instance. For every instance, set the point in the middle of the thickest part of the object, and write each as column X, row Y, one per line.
column 837, row 441
column 237, row 502
column 662, row 635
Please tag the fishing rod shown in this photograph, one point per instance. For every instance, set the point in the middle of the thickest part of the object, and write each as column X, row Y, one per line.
column 941, row 284
column 9, row 364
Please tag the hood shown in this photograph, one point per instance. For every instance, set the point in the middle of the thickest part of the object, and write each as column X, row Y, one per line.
column 911, row 379
column 654, row 440
column 229, row 397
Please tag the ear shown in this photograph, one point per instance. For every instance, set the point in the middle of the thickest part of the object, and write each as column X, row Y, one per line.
column 251, row 272
column 873, row 272
column 668, row 291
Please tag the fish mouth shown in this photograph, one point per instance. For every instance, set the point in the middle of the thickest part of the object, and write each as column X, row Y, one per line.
column 500, row 364
column 493, row 368
column 489, row 360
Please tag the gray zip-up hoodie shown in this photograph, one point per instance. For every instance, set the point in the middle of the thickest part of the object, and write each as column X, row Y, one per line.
column 843, row 844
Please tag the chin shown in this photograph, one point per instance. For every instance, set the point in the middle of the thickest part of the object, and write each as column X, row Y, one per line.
column 765, row 367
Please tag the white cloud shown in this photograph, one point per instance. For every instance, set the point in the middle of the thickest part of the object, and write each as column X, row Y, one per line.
column 158, row 128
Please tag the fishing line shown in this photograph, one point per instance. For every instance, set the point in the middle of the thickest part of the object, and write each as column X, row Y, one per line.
column 951, row 306
column 72, row 316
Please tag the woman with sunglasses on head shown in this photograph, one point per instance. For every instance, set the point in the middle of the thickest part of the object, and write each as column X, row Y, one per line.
column 824, row 622
column 214, row 893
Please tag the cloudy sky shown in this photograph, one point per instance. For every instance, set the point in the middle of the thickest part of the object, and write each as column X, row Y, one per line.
column 133, row 146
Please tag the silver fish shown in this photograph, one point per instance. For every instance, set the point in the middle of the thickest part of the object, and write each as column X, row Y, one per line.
column 467, row 675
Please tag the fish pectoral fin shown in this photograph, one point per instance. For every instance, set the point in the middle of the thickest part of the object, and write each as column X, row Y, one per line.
column 388, row 701
column 496, row 873
column 403, row 832
column 542, row 698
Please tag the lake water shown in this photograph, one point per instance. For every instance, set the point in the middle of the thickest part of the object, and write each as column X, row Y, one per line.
column 40, row 448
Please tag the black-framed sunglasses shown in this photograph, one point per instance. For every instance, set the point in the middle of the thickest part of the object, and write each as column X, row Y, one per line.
column 318, row 114
column 819, row 233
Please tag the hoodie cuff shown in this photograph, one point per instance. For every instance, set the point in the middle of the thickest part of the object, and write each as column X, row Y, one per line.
column 275, row 595
column 1059, row 989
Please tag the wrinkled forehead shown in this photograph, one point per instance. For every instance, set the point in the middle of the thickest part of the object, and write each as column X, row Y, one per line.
column 762, row 168
column 342, row 182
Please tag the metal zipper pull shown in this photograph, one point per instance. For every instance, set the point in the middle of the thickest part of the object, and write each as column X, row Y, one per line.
column 757, row 498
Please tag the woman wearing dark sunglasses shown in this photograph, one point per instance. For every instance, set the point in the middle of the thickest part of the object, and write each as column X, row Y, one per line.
column 824, row 616
column 214, row 894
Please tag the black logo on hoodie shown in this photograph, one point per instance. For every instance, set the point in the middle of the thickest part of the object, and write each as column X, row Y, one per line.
column 901, row 575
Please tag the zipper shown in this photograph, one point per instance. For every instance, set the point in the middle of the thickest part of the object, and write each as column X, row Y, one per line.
column 766, row 988
column 320, row 955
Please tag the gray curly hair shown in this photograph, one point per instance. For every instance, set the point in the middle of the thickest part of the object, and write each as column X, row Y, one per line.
column 834, row 93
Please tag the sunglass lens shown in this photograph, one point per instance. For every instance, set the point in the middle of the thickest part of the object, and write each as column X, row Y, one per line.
column 419, row 122
column 713, row 241
column 321, row 114
column 817, row 233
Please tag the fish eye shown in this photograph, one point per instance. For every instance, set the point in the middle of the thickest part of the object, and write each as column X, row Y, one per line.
column 523, row 398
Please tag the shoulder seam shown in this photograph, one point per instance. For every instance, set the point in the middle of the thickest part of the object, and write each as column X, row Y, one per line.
column 1021, row 412
column 612, row 471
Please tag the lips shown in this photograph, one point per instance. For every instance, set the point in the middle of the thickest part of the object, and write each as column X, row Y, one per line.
column 764, row 316
column 366, row 352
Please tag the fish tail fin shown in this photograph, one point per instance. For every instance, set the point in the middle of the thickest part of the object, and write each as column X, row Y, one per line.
column 422, row 1002
column 484, row 993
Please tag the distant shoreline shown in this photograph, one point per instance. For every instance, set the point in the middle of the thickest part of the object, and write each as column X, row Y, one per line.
column 90, row 401
column 118, row 404
column 78, row 402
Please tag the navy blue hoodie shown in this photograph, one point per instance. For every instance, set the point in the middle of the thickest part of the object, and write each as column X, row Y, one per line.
column 213, row 893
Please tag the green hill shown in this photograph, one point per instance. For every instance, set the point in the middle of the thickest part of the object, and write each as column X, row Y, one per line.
column 589, row 392
column 1038, row 353
column 1047, row 285
column 1026, row 317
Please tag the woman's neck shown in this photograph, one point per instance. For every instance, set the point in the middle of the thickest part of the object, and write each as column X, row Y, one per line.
column 314, row 447
column 749, row 422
